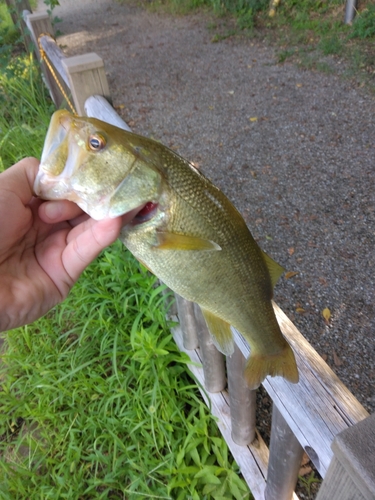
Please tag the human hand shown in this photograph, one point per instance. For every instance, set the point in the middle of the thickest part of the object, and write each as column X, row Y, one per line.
column 44, row 246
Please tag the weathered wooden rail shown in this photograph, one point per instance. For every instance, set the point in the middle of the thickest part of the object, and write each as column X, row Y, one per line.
column 318, row 416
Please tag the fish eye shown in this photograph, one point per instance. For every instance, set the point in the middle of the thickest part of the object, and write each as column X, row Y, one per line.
column 96, row 142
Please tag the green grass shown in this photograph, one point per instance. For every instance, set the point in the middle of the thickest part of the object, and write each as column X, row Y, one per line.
column 8, row 32
column 96, row 400
column 25, row 110
column 97, row 403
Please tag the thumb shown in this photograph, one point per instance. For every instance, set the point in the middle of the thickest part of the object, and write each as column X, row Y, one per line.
column 87, row 241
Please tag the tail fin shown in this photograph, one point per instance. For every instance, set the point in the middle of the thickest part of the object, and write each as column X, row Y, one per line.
column 260, row 365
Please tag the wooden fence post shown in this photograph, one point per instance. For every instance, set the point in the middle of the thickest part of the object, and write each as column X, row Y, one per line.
column 242, row 400
column 213, row 360
column 38, row 24
column 350, row 11
column 351, row 474
column 185, row 310
column 285, row 459
column 87, row 77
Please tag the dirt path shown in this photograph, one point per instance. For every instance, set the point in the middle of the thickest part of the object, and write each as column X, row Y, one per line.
column 293, row 149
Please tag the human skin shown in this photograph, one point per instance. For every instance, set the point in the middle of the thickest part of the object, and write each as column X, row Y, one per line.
column 44, row 246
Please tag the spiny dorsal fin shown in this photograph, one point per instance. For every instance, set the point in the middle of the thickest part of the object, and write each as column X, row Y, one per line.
column 273, row 267
column 220, row 332
column 172, row 241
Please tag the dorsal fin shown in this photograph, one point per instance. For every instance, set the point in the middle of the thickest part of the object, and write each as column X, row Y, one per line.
column 273, row 267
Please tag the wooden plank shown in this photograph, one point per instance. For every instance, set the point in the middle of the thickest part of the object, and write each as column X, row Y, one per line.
column 338, row 485
column 353, row 465
column 285, row 459
column 86, row 77
column 185, row 311
column 38, row 24
column 213, row 360
column 98, row 107
column 242, row 400
column 252, row 459
column 55, row 56
column 319, row 406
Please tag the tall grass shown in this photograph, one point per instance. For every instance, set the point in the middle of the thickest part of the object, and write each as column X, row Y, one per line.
column 96, row 400
column 25, row 110
column 97, row 403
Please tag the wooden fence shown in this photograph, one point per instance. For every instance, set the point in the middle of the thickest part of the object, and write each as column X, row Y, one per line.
column 318, row 415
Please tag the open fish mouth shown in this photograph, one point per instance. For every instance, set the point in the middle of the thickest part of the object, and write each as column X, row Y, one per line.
column 56, row 135
column 57, row 162
column 146, row 213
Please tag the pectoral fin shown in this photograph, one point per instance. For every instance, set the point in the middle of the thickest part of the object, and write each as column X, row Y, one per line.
column 273, row 267
column 172, row 241
column 220, row 332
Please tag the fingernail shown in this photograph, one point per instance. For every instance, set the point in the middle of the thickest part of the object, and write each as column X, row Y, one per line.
column 52, row 210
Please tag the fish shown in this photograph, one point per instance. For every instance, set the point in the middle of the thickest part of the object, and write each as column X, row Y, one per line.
column 185, row 231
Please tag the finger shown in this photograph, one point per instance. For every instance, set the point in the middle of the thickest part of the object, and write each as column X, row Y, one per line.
column 93, row 237
column 20, row 178
column 59, row 210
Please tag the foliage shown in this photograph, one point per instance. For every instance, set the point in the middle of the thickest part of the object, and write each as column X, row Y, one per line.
column 25, row 110
column 364, row 23
column 311, row 484
column 25, row 107
column 52, row 3
column 96, row 401
column 9, row 36
column 8, row 32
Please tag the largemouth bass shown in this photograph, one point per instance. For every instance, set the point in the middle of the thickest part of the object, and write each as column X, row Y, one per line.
column 186, row 231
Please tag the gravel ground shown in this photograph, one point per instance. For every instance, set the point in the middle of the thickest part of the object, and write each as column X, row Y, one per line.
column 293, row 149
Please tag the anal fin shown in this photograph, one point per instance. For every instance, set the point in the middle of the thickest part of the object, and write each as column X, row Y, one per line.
column 220, row 332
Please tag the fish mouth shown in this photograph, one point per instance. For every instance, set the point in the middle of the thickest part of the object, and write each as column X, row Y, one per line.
column 146, row 213
column 56, row 134
column 56, row 164
column 140, row 215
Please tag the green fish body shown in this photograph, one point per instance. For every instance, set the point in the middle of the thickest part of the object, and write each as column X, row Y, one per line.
column 186, row 232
